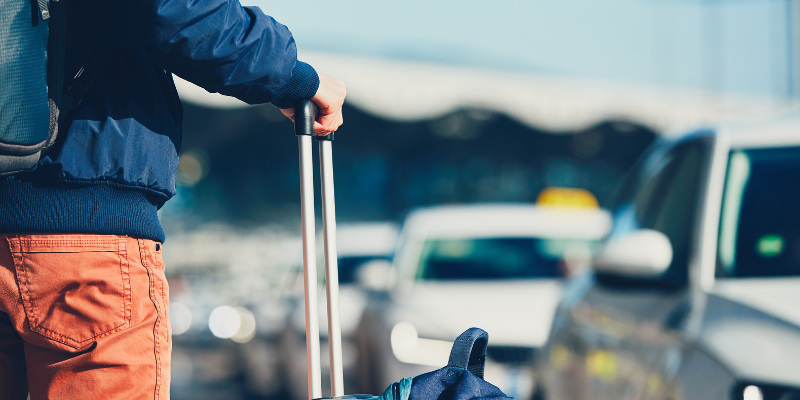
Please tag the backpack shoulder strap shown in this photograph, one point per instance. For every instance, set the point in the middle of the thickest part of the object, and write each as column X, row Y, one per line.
column 57, row 9
column 44, row 8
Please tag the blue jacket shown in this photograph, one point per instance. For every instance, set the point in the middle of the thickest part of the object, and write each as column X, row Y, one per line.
column 115, row 164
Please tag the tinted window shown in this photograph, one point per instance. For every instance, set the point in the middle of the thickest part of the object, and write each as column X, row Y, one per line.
column 662, row 195
column 760, row 221
column 493, row 258
column 349, row 265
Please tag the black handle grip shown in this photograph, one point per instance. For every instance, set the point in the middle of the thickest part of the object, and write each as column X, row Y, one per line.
column 305, row 113
column 328, row 137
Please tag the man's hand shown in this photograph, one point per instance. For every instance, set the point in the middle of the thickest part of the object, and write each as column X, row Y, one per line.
column 329, row 99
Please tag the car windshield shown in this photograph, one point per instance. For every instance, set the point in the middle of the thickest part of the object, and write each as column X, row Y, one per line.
column 350, row 264
column 760, row 221
column 493, row 258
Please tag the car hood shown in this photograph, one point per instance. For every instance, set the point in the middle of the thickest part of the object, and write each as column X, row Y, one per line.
column 779, row 297
column 753, row 325
column 514, row 313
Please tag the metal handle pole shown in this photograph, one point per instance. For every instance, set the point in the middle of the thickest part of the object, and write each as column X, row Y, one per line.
column 331, row 264
column 304, row 129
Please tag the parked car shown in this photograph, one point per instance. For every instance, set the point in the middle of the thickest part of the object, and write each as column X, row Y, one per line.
column 497, row 267
column 696, row 292
column 218, row 352
column 225, row 311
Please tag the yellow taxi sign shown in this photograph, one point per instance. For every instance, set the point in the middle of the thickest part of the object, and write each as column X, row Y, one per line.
column 567, row 197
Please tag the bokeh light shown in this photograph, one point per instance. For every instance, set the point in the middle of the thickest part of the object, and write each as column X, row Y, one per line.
column 180, row 317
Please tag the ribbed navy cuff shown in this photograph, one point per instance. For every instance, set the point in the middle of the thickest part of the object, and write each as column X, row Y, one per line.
column 302, row 85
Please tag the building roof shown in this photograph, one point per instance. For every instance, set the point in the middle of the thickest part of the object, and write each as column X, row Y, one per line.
column 410, row 91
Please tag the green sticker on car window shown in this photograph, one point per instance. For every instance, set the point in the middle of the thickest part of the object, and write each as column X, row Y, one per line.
column 770, row 245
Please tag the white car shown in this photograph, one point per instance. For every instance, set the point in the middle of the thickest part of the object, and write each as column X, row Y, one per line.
column 696, row 292
column 496, row 267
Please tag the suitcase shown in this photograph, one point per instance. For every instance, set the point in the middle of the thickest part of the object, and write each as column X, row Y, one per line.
column 461, row 379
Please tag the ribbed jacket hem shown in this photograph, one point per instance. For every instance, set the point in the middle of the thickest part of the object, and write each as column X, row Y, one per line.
column 55, row 207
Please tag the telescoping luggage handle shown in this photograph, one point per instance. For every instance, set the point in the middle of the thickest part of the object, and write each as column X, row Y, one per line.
column 304, row 116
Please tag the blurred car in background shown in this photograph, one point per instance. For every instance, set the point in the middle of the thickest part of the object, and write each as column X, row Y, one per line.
column 217, row 345
column 497, row 267
column 696, row 292
column 359, row 245
column 226, row 310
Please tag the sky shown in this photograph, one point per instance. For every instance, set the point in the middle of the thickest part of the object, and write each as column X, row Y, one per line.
column 736, row 46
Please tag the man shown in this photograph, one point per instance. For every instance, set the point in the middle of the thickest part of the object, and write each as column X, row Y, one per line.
column 83, row 297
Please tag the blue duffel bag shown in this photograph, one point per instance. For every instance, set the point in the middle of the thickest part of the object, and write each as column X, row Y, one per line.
column 461, row 379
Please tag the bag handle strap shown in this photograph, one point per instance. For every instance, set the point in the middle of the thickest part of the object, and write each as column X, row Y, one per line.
column 469, row 351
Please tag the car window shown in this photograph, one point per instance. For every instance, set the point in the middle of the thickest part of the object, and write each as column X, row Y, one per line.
column 663, row 196
column 760, row 218
column 348, row 266
column 493, row 258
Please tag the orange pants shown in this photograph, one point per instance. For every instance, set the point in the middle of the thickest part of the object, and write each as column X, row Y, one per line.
column 83, row 317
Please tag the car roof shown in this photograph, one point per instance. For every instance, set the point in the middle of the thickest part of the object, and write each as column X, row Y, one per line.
column 775, row 130
column 506, row 220
column 366, row 239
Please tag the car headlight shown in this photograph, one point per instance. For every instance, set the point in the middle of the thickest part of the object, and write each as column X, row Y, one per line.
column 758, row 391
column 180, row 318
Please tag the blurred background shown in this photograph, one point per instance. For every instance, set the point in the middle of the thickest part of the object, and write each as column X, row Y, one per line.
column 474, row 131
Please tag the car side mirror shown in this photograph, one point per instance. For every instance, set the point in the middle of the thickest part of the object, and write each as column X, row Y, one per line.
column 377, row 275
column 643, row 253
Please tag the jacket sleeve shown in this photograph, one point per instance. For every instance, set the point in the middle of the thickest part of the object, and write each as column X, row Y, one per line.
column 218, row 45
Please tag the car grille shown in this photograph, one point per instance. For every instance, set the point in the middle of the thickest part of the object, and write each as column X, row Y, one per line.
column 510, row 354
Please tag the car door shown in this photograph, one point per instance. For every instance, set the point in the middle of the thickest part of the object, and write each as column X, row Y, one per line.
column 613, row 330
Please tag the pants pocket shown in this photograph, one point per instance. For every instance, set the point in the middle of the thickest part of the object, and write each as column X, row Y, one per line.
column 74, row 288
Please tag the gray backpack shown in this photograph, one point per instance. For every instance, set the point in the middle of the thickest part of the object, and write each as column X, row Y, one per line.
column 32, row 95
